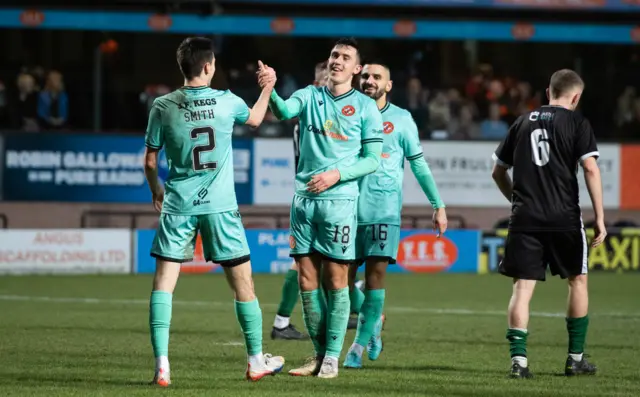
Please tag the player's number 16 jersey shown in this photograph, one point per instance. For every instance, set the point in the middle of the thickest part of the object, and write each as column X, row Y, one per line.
column 380, row 199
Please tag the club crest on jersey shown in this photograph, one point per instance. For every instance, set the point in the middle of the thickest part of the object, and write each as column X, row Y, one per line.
column 388, row 127
column 348, row 110
column 292, row 242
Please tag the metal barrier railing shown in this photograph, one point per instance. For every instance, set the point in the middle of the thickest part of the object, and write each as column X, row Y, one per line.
column 281, row 221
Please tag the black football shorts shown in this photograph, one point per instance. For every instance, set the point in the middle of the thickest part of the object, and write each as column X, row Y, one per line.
column 528, row 254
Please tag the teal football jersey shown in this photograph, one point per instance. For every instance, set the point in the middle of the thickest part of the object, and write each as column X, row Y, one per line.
column 332, row 132
column 381, row 192
column 194, row 125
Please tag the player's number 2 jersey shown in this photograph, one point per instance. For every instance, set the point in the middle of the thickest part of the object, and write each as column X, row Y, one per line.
column 195, row 126
column 380, row 199
column 545, row 147
column 332, row 132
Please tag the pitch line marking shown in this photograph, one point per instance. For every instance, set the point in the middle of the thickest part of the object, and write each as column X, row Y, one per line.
column 396, row 309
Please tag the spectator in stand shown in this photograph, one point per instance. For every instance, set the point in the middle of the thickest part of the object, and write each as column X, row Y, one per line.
column 53, row 104
column 494, row 127
column 25, row 104
column 497, row 95
column 416, row 103
column 528, row 102
column 464, row 127
column 624, row 111
column 4, row 107
column 631, row 129
column 455, row 102
column 439, row 116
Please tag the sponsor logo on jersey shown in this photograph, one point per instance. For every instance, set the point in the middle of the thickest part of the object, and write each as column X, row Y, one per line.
column 348, row 110
column 385, row 155
column 199, row 263
column 426, row 253
column 388, row 127
column 202, row 194
column 327, row 130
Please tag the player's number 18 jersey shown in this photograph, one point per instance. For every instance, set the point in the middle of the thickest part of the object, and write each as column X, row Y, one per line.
column 380, row 199
column 195, row 125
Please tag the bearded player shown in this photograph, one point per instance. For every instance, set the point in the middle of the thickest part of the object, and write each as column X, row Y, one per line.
column 380, row 207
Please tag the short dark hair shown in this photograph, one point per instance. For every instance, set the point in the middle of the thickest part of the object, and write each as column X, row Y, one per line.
column 192, row 54
column 563, row 81
column 349, row 42
column 375, row 61
column 322, row 65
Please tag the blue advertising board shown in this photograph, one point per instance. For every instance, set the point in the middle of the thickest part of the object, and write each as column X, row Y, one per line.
column 92, row 168
column 320, row 27
column 420, row 251
column 600, row 5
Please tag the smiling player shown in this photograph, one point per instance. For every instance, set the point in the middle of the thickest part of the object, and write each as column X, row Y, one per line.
column 341, row 141
column 380, row 206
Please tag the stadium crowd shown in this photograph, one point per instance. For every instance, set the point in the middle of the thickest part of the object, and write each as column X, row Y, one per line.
column 482, row 108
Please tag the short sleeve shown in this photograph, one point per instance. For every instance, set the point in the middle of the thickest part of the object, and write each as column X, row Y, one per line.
column 154, row 138
column 240, row 110
column 503, row 155
column 410, row 139
column 372, row 126
column 586, row 145
column 304, row 96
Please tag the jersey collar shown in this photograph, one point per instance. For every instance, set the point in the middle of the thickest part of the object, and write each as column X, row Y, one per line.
column 385, row 107
column 202, row 87
column 339, row 97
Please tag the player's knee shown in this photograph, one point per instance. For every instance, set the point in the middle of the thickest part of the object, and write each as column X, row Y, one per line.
column 241, row 282
column 336, row 279
column 243, row 289
column 374, row 280
column 375, row 273
column 578, row 282
column 166, row 276
column 308, row 279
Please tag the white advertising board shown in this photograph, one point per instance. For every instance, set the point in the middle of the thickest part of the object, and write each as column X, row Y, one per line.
column 68, row 251
column 274, row 171
column 462, row 171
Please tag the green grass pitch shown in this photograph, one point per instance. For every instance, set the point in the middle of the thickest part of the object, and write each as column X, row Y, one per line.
column 88, row 336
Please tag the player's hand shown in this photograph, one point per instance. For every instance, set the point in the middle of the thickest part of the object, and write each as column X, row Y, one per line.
column 323, row 181
column 158, row 199
column 601, row 234
column 440, row 221
column 266, row 76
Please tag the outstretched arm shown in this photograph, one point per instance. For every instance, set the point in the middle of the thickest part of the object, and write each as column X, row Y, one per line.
column 284, row 110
